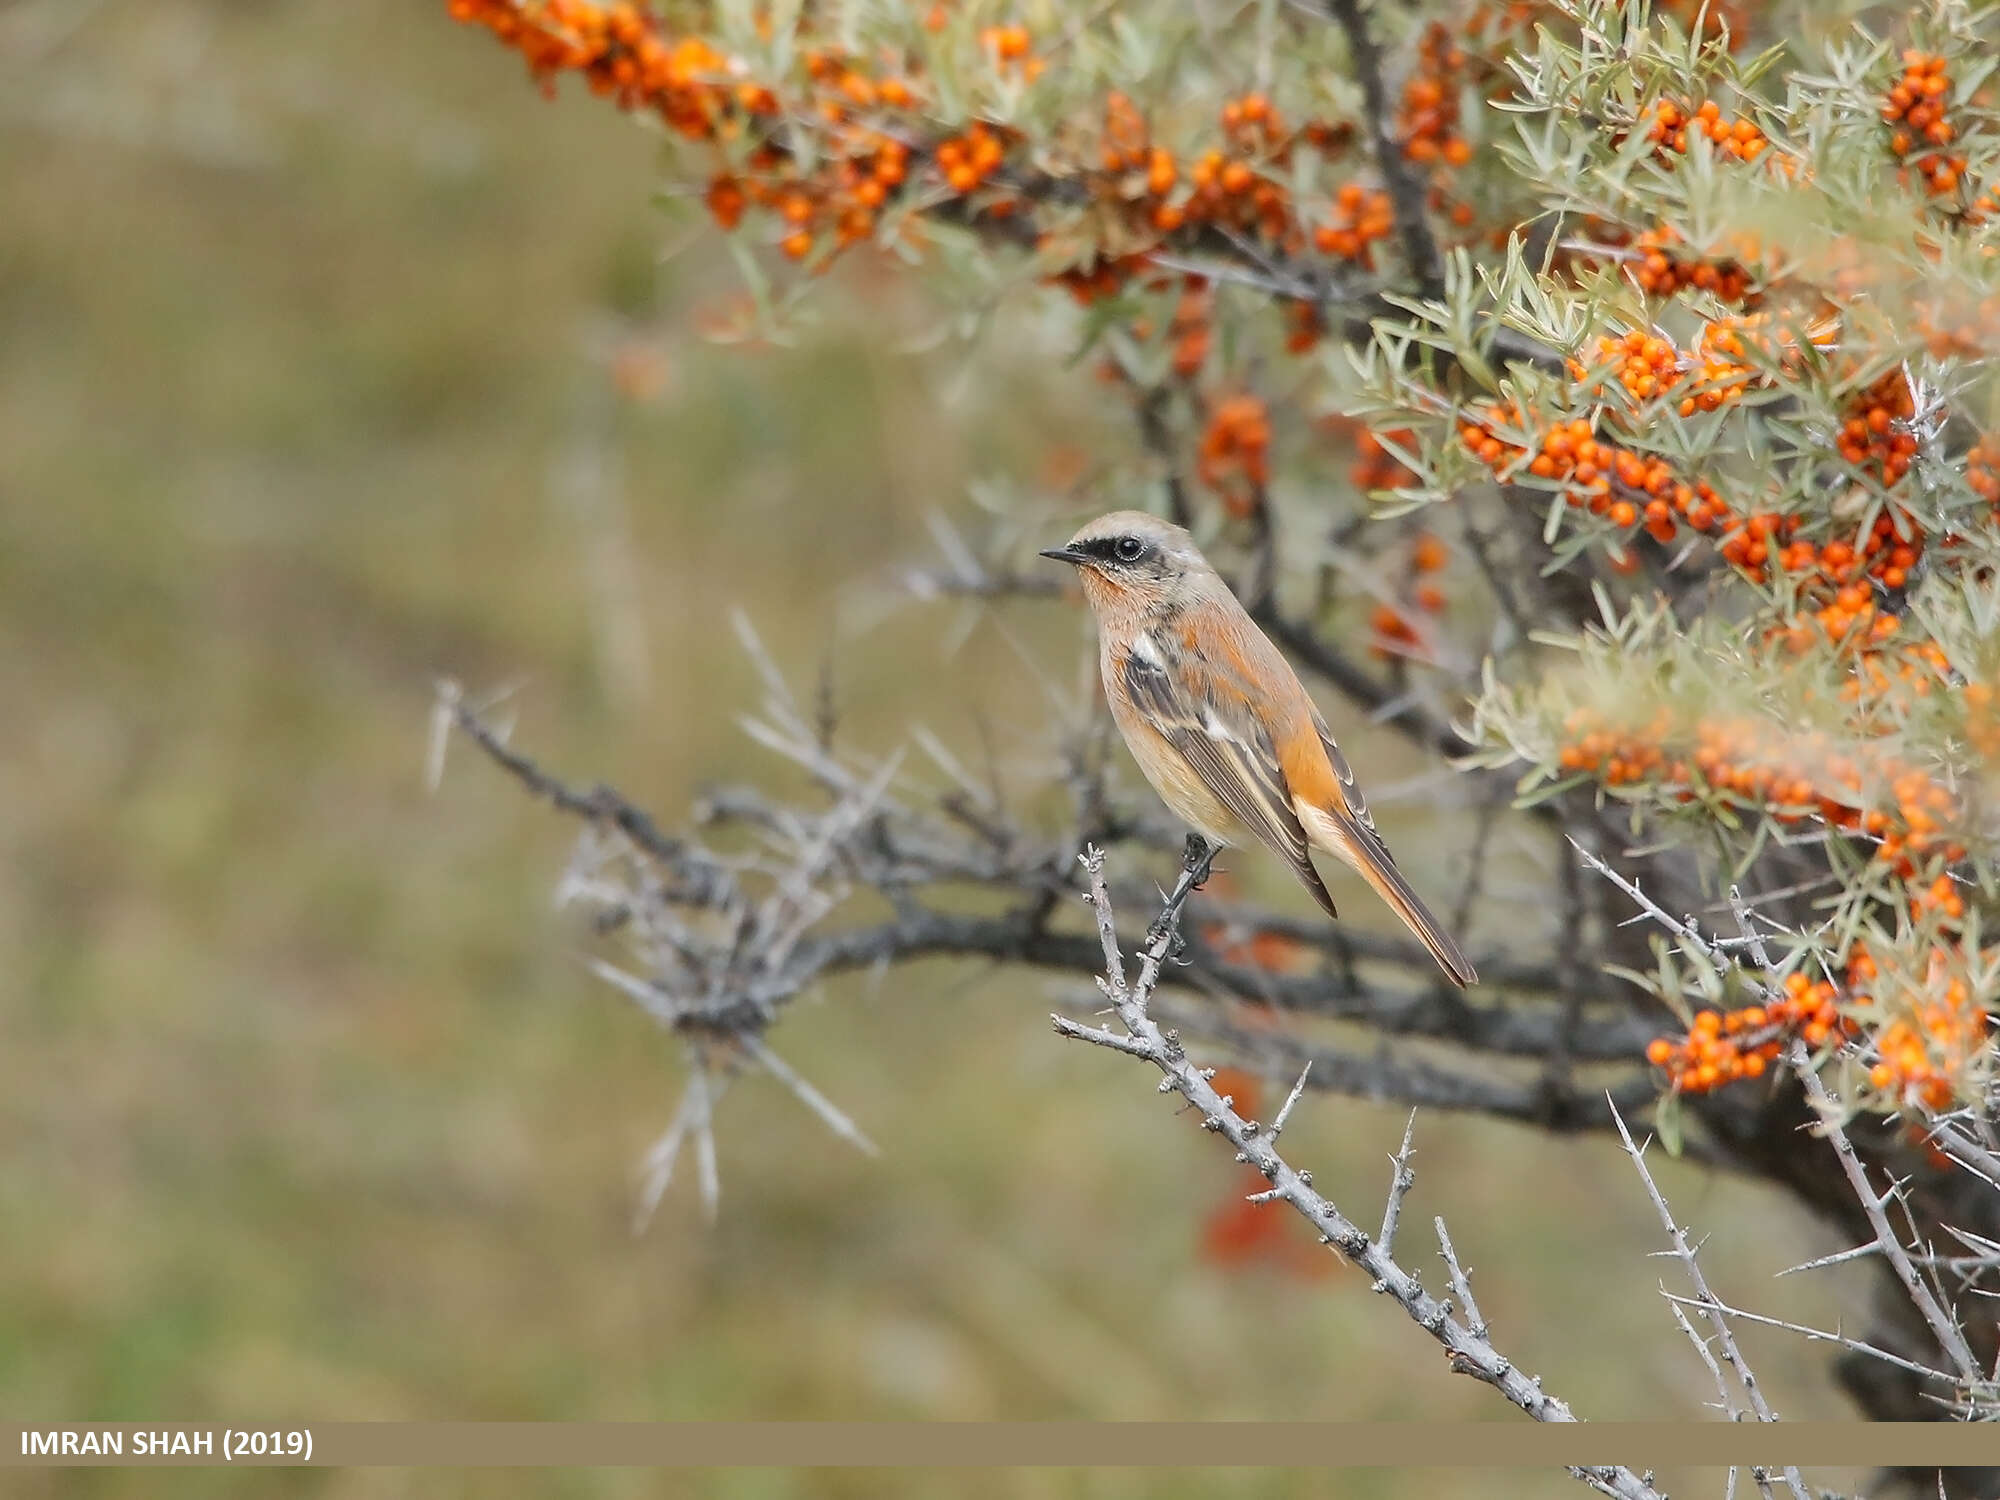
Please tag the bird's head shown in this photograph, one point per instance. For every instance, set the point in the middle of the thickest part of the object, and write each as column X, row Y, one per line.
column 1131, row 560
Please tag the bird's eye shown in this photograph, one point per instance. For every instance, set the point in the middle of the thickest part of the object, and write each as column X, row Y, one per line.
column 1129, row 549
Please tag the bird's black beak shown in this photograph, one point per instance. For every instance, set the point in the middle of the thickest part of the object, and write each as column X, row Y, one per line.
column 1066, row 554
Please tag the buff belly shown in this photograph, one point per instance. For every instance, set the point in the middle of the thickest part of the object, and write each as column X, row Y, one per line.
column 1184, row 792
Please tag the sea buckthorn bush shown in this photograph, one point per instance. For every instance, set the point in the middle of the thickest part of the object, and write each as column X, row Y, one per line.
column 1617, row 381
column 1763, row 293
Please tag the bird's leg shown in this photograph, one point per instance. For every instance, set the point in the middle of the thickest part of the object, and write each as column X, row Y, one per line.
column 1196, row 862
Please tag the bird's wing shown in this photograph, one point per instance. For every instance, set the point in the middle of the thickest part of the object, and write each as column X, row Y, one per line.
column 1354, row 807
column 1203, row 717
column 1342, row 820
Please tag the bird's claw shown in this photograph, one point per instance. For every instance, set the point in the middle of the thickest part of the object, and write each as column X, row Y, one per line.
column 1198, row 859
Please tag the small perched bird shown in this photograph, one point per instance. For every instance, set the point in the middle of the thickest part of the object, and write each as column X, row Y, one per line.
column 1218, row 721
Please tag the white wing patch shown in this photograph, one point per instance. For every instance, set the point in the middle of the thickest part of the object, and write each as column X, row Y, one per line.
column 1215, row 729
column 1148, row 651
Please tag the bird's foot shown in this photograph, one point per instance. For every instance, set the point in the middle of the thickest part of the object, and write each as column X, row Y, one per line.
column 1198, row 860
column 1196, row 864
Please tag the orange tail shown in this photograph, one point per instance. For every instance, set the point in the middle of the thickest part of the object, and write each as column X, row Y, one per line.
column 1360, row 847
column 1394, row 889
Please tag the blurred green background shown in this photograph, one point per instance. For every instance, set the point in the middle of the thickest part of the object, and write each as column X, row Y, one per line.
column 332, row 359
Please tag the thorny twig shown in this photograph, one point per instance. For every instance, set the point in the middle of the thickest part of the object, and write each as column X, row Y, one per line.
column 1944, row 1328
column 1469, row 1351
column 1710, row 1306
column 1951, row 1338
column 1401, row 1180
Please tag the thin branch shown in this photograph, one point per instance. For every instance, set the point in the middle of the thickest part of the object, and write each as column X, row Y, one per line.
column 1818, row 1335
column 1725, row 1394
column 1363, row 687
column 1944, row 1328
column 1407, row 190
column 1461, row 1281
column 1710, row 1305
column 702, row 1101
column 830, row 1115
column 1292, row 1101
column 1401, row 1180
column 1704, row 1298
column 599, row 805
column 1468, row 1352
column 1159, row 441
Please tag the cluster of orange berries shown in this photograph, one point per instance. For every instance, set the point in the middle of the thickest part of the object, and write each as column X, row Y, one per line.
column 1906, row 1070
column 844, row 198
column 619, row 51
column 1841, row 581
column 1239, row 187
column 1755, row 543
column 1360, row 219
column 1235, row 455
column 1395, row 626
column 1722, row 355
column 1876, row 430
column 1716, row 372
column 1922, row 1055
column 1723, row 1046
column 700, row 93
column 1617, row 756
column 1940, row 896
column 1851, row 613
column 1010, row 45
column 1662, row 270
column 1632, row 490
column 1128, row 149
column 970, row 159
column 1644, row 364
column 1803, row 778
column 1602, row 476
column 1669, row 123
column 869, row 156
column 1429, row 116
column 1835, row 788
column 1613, row 481
column 1914, row 111
column 1913, row 668
column 1189, row 329
column 1721, row 366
